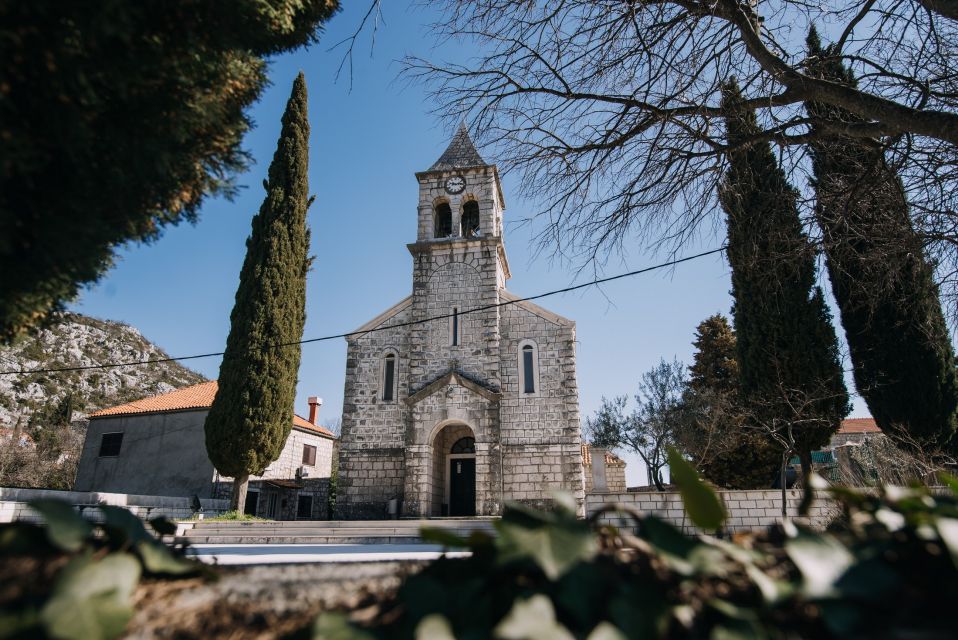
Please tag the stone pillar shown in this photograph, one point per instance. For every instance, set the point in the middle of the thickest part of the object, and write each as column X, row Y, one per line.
column 599, row 482
column 418, row 481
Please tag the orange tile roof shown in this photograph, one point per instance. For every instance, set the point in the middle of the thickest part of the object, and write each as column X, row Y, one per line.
column 610, row 458
column 198, row 396
column 859, row 425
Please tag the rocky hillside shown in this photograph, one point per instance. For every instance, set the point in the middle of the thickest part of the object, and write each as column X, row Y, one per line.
column 77, row 340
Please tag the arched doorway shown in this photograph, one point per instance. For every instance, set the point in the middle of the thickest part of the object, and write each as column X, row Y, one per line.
column 454, row 472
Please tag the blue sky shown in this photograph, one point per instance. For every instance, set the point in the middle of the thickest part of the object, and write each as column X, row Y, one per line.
column 366, row 144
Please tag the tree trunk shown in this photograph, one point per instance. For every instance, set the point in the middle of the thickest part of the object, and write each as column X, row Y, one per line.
column 784, row 483
column 805, row 456
column 240, row 483
column 657, row 479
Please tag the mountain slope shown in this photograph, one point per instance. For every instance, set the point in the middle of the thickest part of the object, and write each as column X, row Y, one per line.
column 77, row 340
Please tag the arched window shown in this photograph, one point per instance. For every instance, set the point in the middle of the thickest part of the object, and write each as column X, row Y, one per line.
column 470, row 219
column 443, row 220
column 454, row 327
column 464, row 445
column 528, row 367
column 389, row 377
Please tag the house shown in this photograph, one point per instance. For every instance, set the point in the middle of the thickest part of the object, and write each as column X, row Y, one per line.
column 157, row 446
column 462, row 395
column 854, row 431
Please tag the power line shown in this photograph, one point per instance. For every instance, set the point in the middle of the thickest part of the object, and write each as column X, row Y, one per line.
column 591, row 283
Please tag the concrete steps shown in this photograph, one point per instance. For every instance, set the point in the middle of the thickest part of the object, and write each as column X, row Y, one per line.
column 326, row 532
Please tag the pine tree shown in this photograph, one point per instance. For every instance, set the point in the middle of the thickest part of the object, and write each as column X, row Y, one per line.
column 790, row 370
column 251, row 416
column 714, row 433
column 903, row 359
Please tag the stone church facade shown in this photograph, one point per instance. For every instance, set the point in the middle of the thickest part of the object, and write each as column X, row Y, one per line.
column 477, row 406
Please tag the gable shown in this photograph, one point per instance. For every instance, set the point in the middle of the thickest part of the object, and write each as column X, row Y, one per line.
column 534, row 309
column 383, row 318
column 448, row 379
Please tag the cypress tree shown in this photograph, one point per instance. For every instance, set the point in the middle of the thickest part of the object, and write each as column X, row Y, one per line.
column 251, row 416
column 789, row 365
column 903, row 359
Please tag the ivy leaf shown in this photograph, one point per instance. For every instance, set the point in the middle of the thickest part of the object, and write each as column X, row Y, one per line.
column 123, row 526
column 91, row 599
column 948, row 531
column 434, row 627
column 66, row 529
column 336, row 626
column 703, row 505
column 555, row 541
column 532, row 619
column 821, row 559
column 157, row 558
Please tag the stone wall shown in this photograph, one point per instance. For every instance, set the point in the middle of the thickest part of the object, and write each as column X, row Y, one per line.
column 13, row 504
column 540, row 432
column 161, row 454
column 291, row 458
column 368, row 479
column 747, row 509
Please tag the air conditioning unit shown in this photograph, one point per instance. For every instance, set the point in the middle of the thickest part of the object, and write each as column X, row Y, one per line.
column 302, row 472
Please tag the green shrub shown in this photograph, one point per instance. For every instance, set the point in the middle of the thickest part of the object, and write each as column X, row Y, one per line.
column 73, row 578
column 890, row 573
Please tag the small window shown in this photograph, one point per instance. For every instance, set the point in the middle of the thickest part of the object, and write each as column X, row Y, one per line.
column 443, row 220
column 309, row 455
column 110, row 445
column 528, row 367
column 304, row 507
column 455, row 326
column 389, row 377
column 470, row 219
column 464, row 445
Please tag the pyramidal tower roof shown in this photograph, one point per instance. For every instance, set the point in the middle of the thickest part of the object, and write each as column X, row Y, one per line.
column 460, row 153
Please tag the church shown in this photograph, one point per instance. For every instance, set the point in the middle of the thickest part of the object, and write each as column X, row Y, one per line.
column 461, row 397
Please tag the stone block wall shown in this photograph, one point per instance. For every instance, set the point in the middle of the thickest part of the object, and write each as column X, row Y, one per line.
column 368, row 479
column 291, row 458
column 446, row 276
column 747, row 509
column 540, row 432
column 532, row 473
column 13, row 504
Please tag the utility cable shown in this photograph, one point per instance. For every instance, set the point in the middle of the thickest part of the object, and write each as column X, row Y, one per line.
column 591, row 283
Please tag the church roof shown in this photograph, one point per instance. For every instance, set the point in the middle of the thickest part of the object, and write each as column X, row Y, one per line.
column 460, row 153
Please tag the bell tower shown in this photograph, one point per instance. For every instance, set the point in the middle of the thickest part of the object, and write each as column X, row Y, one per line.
column 459, row 266
column 460, row 200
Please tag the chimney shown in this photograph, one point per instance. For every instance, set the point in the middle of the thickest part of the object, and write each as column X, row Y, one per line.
column 314, row 405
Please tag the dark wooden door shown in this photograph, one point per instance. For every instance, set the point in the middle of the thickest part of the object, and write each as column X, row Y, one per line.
column 462, row 487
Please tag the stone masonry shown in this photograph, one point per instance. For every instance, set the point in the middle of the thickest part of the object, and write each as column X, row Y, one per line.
column 480, row 368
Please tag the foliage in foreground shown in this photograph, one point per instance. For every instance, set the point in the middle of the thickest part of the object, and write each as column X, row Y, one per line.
column 890, row 572
column 73, row 578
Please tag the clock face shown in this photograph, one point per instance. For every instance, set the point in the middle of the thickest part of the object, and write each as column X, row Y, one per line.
column 455, row 184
